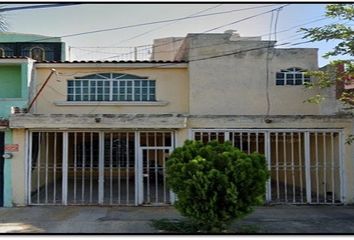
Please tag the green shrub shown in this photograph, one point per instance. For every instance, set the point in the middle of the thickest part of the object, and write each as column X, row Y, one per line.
column 215, row 183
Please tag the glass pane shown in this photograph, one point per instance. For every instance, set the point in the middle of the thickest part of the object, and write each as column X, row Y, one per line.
column 298, row 82
column 70, row 83
column 290, row 76
column 85, row 90
column 85, row 83
column 99, row 90
column 78, row 90
column 99, row 83
column 137, row 83
column 70, row 97
column 77, row 83
column 77, row 98
column 279, row 82
column 70, row 90
column 280, row 75
column 144, row 82
column 85, row 98
column 289, row 82
column 92, row 98
column 298, row 76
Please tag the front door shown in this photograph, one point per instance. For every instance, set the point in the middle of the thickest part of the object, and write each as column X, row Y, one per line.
column 155, row 148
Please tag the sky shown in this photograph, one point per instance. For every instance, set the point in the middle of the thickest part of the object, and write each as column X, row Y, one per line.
column 89, row 17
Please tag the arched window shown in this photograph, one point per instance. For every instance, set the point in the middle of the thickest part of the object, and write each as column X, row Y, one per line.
column 291, row 76
column 111, row 87
column 37, row 53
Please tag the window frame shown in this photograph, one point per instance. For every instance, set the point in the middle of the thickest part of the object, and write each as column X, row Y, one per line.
column 290, row 77
column 111, row 89
column 42, row 50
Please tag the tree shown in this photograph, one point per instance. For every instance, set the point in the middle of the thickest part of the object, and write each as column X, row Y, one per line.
column 3, row 22
column 341, row 70
column 215, row 183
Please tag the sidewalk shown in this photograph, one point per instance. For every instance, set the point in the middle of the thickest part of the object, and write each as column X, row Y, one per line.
column 269, row 219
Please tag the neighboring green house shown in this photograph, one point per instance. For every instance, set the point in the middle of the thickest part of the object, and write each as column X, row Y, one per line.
column 18, row 52
column 14, row 81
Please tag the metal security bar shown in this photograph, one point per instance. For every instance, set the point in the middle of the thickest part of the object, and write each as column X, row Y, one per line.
column 304, row 164
column 45, row 168
column 325, row 167
column 155, row 147
column 119, row 168
column 83, row 166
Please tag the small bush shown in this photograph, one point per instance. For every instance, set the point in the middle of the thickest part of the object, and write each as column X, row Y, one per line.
column 215, row 183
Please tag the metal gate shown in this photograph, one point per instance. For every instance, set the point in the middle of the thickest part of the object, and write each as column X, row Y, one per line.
column 304, row 164
column 155, row 149
column 90, row 168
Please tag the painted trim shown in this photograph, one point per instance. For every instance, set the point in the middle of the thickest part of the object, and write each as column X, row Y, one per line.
column 267, row 151
column 65, row 168
column 112, row 65
column 342, row 174
column 8, row 173
column 114, row 103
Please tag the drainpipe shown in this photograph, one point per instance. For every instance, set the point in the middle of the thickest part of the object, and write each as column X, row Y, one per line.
column 40, row 90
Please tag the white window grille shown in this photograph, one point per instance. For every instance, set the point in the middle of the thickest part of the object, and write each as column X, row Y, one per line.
column 291, row 76
column 111, row 87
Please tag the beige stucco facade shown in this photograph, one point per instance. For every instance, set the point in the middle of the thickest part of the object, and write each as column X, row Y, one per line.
column 206, row 92
column 171, row 91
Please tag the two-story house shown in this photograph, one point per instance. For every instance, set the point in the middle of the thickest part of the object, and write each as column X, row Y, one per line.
column 17, row 54
column 100, row 132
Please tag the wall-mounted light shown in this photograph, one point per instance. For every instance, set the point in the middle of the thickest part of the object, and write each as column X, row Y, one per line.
column 267, row 120
column 7, row 155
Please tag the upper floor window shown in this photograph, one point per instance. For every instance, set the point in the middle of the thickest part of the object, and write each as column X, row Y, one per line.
column 291, row 76
column 111, row 87
column 37, row 53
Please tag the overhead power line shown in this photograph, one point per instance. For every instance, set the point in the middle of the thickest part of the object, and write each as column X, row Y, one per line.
column 205, row 46
column 150, row 23
column 37, row 6
column 224, row 25
column 168, row 24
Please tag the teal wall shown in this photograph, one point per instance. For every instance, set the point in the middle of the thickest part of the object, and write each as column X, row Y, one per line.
column 10, row 80
column 23, row 37
column 14, row 81
column 8, row 175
